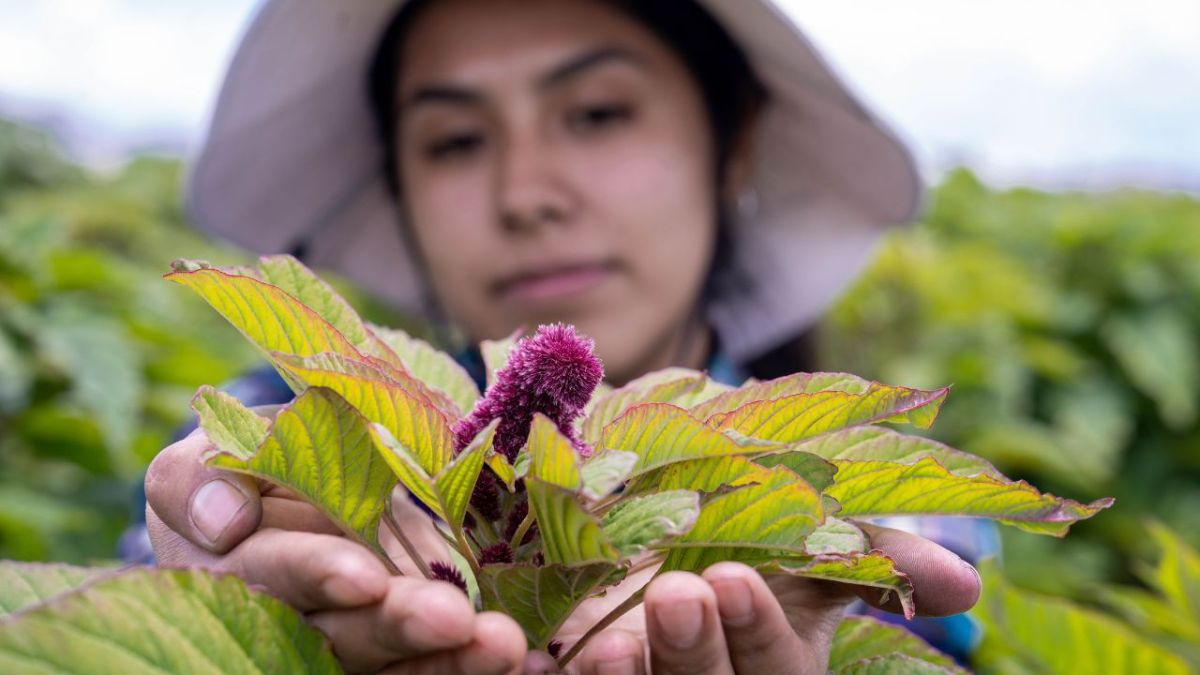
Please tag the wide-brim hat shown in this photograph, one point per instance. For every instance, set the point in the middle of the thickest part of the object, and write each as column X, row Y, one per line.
column 292, row 161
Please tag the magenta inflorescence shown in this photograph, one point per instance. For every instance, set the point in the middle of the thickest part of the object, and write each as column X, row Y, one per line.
column 496, row 554
column 554, row 372
column 441, row 571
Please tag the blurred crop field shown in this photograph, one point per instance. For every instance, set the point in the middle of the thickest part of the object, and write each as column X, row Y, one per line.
column 1067, row 323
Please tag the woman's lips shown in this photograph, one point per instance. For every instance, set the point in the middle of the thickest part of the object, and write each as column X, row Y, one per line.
column 555, row 283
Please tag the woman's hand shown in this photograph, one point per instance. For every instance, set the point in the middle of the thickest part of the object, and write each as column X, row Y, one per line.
column 198, row 516
column 732, row 620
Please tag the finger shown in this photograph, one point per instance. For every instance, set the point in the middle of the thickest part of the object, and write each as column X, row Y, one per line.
column 612, row 652
column 308, row 571
column 683, row 627
column 943, row 583
column 286, row 512
column 540, row 663
column 416, row 617
column 497, row 646
column 211, row 508
column 418, row 528
column 758, row 634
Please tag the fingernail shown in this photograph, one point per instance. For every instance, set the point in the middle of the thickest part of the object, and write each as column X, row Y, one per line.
column 214, row 507
column 734, row 602
column 680, row 622
column 622, row 666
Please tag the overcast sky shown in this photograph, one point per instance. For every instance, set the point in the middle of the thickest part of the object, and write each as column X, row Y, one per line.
column 1023, row 89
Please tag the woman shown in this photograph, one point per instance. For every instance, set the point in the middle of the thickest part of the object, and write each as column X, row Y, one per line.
column 688, row 185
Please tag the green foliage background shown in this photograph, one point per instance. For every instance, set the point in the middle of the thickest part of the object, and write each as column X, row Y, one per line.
column 1069, row 325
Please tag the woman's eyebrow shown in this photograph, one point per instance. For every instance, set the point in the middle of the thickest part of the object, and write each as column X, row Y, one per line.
column 583, row 62
column 442, row 94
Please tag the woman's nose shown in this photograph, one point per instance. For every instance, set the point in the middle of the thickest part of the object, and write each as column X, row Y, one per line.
column 531, row 193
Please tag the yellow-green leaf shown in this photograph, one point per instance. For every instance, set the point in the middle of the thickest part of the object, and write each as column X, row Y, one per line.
column 1053, row 635
column 663, row 386
column 291, row 276
column 640, row 522
column 406, row 467
column 798, row 383
column 410, row 418
column 541, row 598
column 552, row 458
column 456, row 482
column 319, row 447
column 873, row 569
column 603, row 473
column 432, row 366
column 23, row 585
column 794, row 418
column 894, row 664
column 861, row 637
column 148, row 621
column 886, row 445
column 570, row 535
column 660, row 434
column 871, row 489
column 231, row 426
column 495, row 355
column 836, row 536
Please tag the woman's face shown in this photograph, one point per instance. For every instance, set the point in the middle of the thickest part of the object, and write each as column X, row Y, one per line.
column 557, row 165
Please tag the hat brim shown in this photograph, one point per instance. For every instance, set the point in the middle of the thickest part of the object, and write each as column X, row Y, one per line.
column 291, row 159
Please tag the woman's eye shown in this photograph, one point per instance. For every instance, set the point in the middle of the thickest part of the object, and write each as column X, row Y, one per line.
column 597, row 117
column 453, row 146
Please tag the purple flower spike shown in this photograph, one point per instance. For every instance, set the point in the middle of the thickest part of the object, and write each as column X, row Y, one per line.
column 553, row 373
column 441, row 571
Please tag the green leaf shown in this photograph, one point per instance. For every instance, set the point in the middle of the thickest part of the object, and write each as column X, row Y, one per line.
column 641, row 522
column 405, row 465
column 709, row 474
column 835, row 536
column 1056, row 636
column 660, row 434
column 552, row 458
column 1177, row 575
column 292, row 277
column 414, row 422
column 873, row 569
column 541, row 598
column 663, row 386
column 320, row 448
column 801, row 416
column 603, row 473
column 432, row 366
column 869, row 489
column 818, row 472
column 23, row 585
column 232, row 427
column 495, row 354
column 886, row 445
column 504, row 471
column 570, row 535
column 1157, row 350
column 148, row 621
column 777, row 513
column 895, row 664
column 799, row 383
column 861, row 638
column 456, row 482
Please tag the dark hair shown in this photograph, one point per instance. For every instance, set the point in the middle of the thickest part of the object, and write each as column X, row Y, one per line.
column 731, row 93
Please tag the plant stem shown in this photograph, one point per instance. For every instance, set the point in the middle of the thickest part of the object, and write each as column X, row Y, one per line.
column 465, row 549
column 411, row 550
column 522, row 529
column 616, row 613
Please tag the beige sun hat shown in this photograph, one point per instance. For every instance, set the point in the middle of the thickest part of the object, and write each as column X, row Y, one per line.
column 292, row 158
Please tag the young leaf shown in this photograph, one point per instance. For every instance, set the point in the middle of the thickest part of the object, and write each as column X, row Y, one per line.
column 886, row 445
column 24, row 585
column 319, row 447
column 410, row 418
column 641, row 522
column 552, row 458
column 231, row 426
column 432, row 366
column 1055, row 636
column 861, row 638
column 790, row 385
column 456, row 481
column 148, row 621
column 570, row 535
column 795, row 418
column 663, row 386
column 868, row 489
column 835, row 536
column 603, row 473
column 407, row 468
column 495, row 354
column 541, row 598
column 660, row 434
